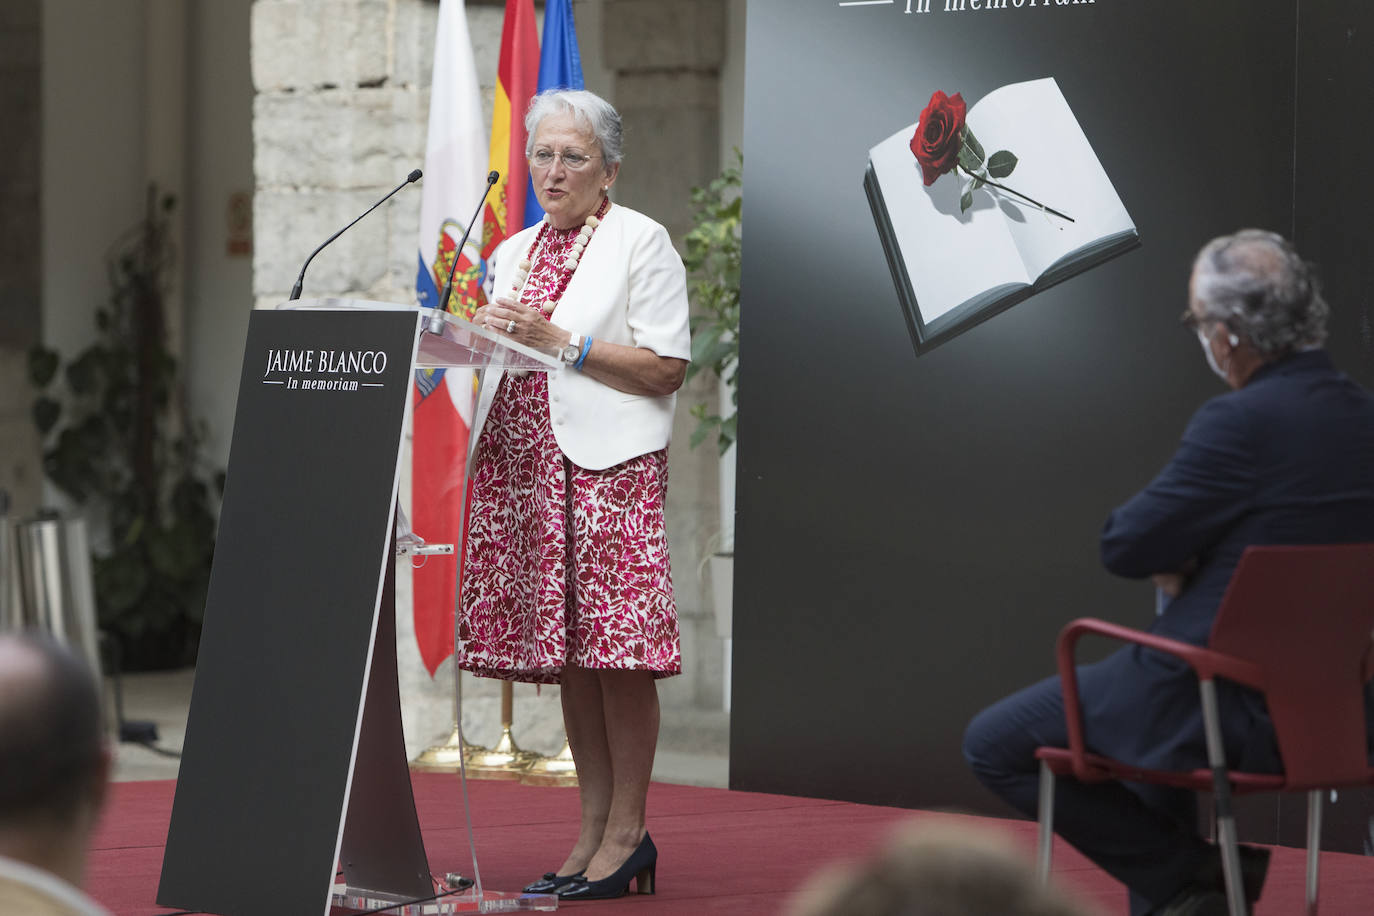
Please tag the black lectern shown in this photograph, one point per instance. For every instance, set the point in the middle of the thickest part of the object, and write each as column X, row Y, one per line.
column 294, row 759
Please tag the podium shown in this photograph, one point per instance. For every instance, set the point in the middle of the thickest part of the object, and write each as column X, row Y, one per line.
column 294, row 758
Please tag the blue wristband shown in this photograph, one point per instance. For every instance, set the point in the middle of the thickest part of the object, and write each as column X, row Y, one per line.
column 586, row 348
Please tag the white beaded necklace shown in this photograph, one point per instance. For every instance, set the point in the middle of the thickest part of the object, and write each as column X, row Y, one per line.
column 574, row 257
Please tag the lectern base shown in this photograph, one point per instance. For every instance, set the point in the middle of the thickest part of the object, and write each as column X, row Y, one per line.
column 347, row 900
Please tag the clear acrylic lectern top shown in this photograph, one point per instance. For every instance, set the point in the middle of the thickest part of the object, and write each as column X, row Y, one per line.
column 450, row 343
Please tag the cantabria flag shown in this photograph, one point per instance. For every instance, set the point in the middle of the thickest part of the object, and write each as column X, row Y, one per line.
column 455, row 176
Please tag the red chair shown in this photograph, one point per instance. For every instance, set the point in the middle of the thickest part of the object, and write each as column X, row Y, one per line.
column 1296, row 624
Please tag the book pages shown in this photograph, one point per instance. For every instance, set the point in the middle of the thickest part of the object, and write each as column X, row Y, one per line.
column 950, row 257
column 1056, row 166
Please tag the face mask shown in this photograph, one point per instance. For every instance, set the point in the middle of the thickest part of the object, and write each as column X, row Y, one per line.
column 1211, row 357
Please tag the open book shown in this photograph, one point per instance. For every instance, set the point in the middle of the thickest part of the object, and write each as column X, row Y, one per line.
column 953, row 268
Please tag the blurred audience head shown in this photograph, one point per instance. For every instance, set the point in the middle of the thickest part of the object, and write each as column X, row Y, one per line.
column 936, row 868
column 54, row 761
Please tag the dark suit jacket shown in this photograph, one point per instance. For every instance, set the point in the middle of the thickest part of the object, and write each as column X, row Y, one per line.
column 1288, row 459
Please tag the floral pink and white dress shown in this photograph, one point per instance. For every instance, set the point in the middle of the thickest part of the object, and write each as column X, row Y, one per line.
column 562, row 565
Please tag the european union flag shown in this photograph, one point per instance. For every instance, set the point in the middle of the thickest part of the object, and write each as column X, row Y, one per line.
column 560, row 67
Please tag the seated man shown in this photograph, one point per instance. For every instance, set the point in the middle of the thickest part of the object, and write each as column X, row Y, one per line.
column 1287, row 457
column 54, row 765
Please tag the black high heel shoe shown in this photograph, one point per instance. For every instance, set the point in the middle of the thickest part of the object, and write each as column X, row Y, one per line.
column 551, row 882
column 642, row 866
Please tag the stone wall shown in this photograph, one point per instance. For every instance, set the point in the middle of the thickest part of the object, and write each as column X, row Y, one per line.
column 20, row 251
column 339, row 117
column 338, row 120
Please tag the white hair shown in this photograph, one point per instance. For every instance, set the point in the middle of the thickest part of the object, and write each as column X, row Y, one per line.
column 589, row 111
column 1256, row 284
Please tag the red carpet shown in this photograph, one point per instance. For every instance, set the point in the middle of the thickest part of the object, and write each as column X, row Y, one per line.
column 721, row 852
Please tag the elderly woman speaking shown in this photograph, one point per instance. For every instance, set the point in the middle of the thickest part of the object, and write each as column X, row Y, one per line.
column 566, row 577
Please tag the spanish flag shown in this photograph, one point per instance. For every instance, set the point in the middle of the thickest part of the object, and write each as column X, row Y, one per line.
column 517, row 77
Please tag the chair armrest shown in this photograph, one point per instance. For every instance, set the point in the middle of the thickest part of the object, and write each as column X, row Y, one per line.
column 1206, row 663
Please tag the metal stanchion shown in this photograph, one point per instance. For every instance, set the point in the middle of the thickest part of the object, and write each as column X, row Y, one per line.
column 52, row 588
column 9, row 572
column 55, row 590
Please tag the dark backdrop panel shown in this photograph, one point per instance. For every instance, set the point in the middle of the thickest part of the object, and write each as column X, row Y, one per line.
column 913, row 531
column 1334, row 194
column 1335, row 184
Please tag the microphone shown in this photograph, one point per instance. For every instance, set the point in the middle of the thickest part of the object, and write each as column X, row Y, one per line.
column 296, row 290
column 436, row 321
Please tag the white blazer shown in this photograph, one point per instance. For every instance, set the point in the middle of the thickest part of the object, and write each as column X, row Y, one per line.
column 629, row 288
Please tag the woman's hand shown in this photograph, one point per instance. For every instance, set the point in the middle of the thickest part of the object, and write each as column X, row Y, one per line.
column 633, row 370
column 522, row 323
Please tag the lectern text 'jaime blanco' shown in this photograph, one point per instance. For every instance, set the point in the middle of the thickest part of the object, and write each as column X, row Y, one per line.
column 328, row 362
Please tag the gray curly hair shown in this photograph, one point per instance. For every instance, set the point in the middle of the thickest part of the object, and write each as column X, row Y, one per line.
column 588, row 109
column 1256, row 284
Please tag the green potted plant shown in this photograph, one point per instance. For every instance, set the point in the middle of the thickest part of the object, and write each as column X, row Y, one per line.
column 713, row 261
column 713, row 272
column 113, row 442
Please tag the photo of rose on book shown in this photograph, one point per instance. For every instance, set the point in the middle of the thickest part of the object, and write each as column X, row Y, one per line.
column 980, row 207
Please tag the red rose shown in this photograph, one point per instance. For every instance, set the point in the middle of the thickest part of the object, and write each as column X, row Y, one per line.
column 939, row 134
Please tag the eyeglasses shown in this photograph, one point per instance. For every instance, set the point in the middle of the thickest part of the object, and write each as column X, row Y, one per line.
column 1190, row 320
column 572, row 161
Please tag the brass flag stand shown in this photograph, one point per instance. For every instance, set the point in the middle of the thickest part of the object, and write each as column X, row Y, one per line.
column 558, row 770
column 446, row 756
column 505, row 760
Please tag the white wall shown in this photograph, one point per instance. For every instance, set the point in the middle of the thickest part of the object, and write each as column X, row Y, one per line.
column 92, row 184
column 219, row 286
column 21, row 62
column 106, row 130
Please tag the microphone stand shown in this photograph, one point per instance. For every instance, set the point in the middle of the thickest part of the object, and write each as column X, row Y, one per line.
column 436, row 320
column 300, row 279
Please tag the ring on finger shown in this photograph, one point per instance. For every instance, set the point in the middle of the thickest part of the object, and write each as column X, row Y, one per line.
column 510, row 326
